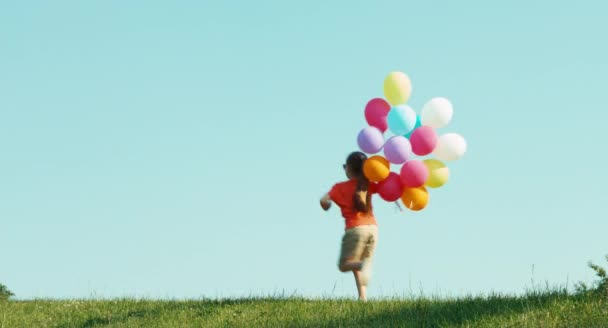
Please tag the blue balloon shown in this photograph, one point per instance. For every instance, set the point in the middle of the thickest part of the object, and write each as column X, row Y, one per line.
column 401, row 119
column 418, row 124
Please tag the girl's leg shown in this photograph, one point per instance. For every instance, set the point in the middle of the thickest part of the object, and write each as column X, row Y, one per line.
column 350, row 258
column 362, row 289
column 367, row 255
column 350, row 265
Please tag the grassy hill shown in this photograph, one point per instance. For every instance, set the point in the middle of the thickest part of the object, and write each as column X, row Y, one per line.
column 546, row 309
column 586, row 307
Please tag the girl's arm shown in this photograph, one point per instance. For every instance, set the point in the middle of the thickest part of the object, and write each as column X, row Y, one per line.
column 325, row 202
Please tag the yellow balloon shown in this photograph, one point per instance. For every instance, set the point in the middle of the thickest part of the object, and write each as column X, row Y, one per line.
column 397, row 88
column 376, row 168
column 415, row 199
column 438, row 173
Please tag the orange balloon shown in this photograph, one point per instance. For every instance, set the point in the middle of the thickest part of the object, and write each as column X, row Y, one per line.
column 415, row 199
column 376, row 168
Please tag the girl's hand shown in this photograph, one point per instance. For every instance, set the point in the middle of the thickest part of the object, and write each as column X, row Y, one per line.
column 325, row 202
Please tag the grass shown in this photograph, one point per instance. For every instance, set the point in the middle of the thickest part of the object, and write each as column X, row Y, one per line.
column 556, row 308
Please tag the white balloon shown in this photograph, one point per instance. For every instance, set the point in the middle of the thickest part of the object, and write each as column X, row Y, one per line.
column 437, row 113
column 450, row 147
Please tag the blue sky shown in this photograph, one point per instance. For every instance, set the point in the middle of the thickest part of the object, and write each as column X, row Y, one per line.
column 179, row 149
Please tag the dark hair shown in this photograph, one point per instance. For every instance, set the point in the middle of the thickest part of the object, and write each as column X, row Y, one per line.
column 355, row 162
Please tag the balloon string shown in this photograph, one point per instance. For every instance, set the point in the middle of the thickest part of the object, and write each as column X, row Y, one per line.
column 399, row 206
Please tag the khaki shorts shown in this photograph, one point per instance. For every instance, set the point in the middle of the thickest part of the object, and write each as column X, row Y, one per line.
column 358, row 243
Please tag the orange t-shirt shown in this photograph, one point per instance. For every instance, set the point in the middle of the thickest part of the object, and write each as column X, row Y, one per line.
column 342, row 194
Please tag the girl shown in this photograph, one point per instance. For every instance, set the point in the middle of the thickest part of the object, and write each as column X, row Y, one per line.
column 354, row 197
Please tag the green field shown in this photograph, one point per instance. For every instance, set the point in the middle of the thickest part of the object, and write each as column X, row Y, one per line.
column 543, row 309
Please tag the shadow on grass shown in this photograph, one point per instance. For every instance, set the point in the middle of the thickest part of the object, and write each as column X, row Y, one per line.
column 100, row 321
column 148, row 310
column 152, row 310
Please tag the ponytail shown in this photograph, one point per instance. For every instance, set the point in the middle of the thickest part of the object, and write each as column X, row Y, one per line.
column 362, row 197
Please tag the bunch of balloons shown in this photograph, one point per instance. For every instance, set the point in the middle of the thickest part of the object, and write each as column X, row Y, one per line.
column 412, row 135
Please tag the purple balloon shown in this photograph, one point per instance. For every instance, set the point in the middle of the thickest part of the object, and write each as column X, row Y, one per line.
column 370, row 140
column 397, row 149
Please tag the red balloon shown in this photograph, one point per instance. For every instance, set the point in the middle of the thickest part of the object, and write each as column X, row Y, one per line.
column 414, row 173
column 423, row 140
column 376, row 112
column 391, row 188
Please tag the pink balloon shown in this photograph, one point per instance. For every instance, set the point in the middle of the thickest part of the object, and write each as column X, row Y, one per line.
column 376, row 112
column 391, row 188
column 414, row 173
column 423, row 140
